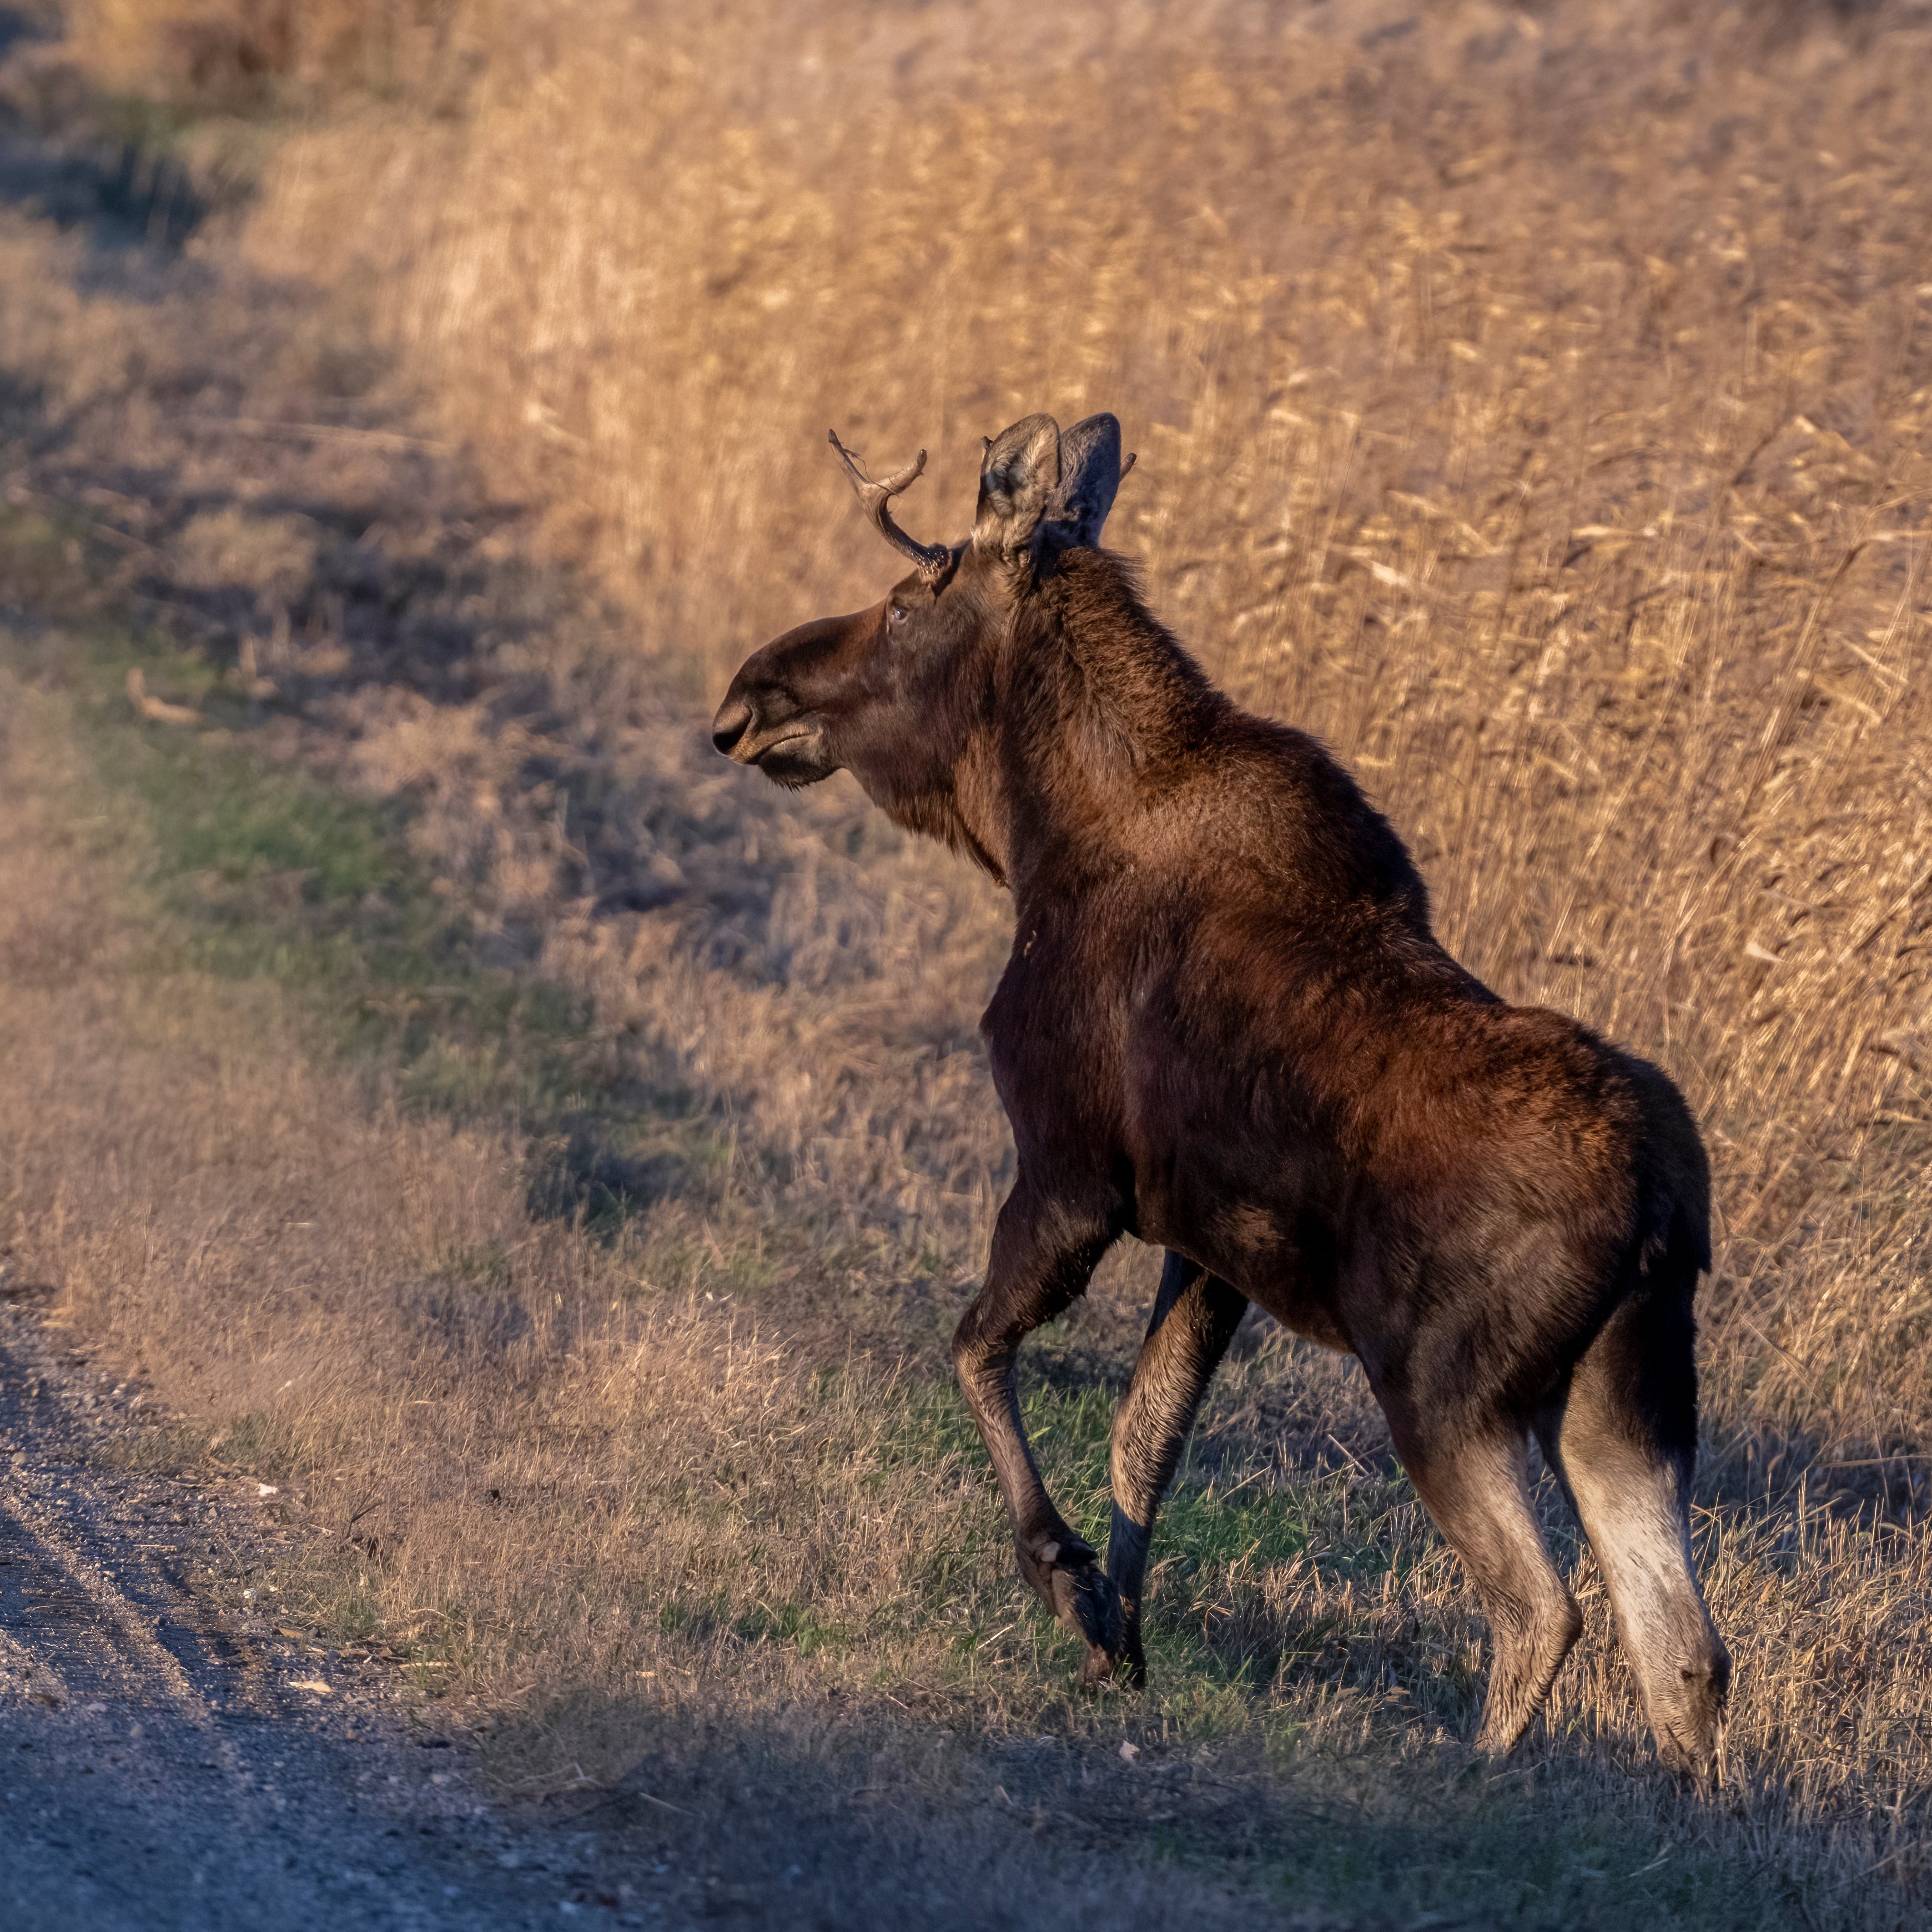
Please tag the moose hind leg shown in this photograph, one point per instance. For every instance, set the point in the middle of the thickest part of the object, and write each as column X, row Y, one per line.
column 1195, row 1317
column 1477, row 1490
column 1625, row 1440
column 1042, row 1257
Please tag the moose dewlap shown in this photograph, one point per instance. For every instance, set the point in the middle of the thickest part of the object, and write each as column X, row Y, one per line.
column 1227, row 1028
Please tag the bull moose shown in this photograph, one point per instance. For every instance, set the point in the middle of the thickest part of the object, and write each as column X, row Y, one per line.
column 1227, row 1029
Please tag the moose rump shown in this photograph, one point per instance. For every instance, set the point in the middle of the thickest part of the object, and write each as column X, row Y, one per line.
column 1226, row 1028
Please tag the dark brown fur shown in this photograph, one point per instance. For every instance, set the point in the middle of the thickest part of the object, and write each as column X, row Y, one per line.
column 1226, row 1028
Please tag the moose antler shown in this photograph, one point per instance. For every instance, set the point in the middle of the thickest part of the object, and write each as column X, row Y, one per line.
column 930, row 558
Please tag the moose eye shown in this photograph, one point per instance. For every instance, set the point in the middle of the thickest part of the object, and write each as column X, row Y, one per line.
column 895, row 613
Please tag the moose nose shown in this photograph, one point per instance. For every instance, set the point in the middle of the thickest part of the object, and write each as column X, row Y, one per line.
column 733, row 720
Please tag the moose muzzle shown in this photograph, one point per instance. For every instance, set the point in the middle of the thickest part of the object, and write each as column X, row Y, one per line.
column 784, row 703
column 768, row 729
column 729, row 728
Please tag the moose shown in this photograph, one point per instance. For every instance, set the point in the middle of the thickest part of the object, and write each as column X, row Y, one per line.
column 1227, row 1029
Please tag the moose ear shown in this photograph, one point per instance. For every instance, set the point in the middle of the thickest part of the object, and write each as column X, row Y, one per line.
column 1089, row 473
column 1018, row 476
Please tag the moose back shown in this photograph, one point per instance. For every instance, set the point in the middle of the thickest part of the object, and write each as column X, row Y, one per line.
column 1227, row 1028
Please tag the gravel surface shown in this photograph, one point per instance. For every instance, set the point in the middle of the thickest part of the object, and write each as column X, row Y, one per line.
column 171, row 1756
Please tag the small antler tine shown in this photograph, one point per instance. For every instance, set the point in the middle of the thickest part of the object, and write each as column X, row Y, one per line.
column 1127, row 466
column 889, row 486
column 905, row 478
column 875, row 497
column 860, row 481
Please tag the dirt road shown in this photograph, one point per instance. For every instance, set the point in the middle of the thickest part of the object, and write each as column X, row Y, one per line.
column 169, row 1757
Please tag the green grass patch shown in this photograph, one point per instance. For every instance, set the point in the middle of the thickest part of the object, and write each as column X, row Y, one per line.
column 252, row 872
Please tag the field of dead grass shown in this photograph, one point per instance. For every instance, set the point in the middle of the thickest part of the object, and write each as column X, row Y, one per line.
column 570, row 1158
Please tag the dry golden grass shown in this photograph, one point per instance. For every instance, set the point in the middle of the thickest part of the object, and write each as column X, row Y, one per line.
column 1538, row 409
column 1536, row 405
column 237, row 53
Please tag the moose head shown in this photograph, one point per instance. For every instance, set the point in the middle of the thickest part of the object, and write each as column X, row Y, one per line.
column 901, row 694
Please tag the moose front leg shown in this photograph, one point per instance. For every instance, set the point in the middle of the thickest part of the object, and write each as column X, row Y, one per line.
column 1043, row 1255
column 1195, row 1317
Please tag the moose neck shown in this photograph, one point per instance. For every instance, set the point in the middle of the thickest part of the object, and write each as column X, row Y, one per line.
column 1099, row 707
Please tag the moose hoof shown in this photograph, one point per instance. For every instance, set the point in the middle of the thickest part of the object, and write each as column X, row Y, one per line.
column 1123, row 1669
column 1085, row 1601
column 1066, row 1576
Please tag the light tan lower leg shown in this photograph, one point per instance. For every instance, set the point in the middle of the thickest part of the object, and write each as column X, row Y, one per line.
column 1637, row 1517
column 1478, row 1493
